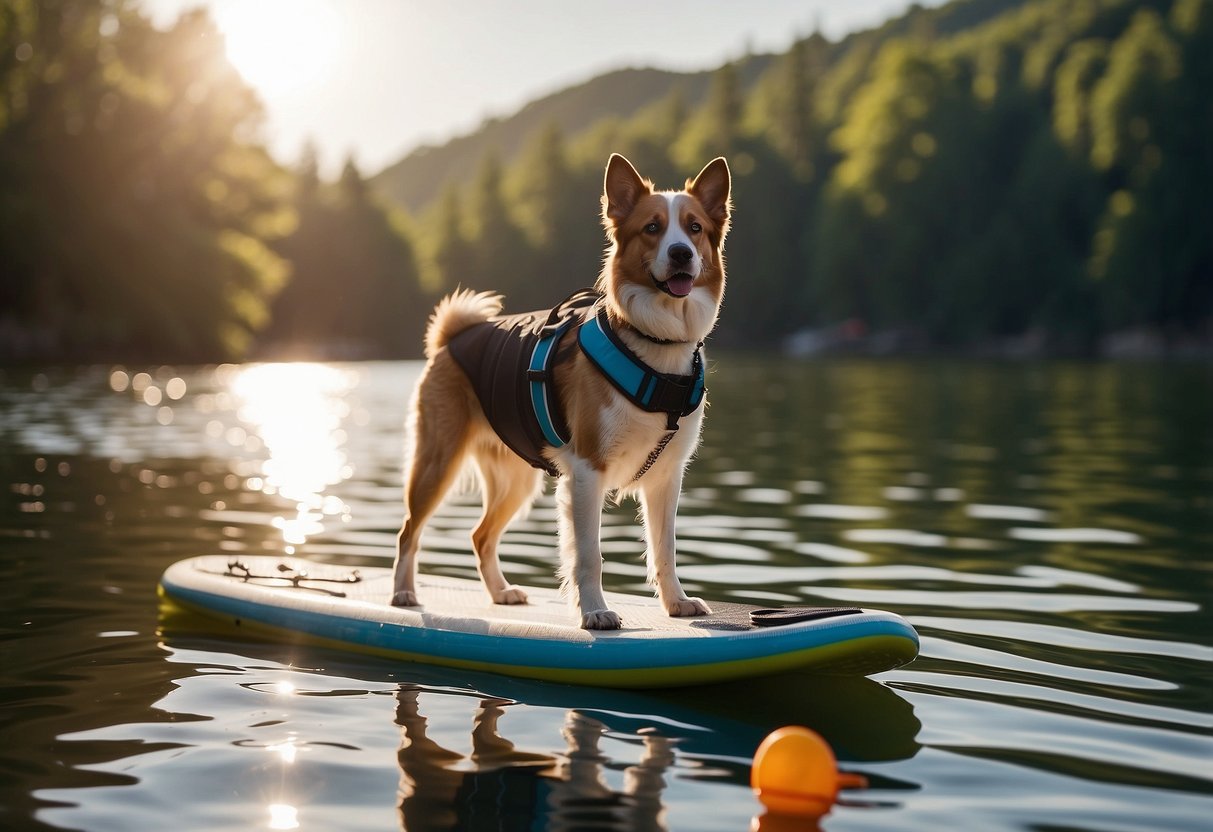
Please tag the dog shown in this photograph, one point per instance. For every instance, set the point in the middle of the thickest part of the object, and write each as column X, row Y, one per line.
column 618, row 393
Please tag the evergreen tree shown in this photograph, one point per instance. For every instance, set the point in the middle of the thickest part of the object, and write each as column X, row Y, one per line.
column 307, row 172
column 560, row 212
column 452, row 258
column 502, row 255
column 792, row 124
column 356, row 288
column 716, row 127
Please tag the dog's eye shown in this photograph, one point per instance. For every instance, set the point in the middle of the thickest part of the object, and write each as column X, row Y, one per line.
column 652, row 228
column 696, row 228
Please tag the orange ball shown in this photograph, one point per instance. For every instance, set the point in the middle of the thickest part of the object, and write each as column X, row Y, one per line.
column 795, row 772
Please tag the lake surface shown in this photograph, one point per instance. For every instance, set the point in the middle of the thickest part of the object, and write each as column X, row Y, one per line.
column 1046, row 527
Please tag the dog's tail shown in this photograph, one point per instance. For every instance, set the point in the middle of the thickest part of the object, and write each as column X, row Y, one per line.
column 455, row 313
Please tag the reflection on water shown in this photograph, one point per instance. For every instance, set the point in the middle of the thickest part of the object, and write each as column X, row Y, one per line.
column 283, row 816
column 444, row 789
column 1046, row 528
column 319, row 732
column 297, row 412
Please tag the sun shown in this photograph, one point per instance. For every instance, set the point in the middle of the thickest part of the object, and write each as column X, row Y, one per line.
column 282, row 48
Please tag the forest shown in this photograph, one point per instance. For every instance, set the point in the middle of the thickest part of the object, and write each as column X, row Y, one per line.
column 987, row 177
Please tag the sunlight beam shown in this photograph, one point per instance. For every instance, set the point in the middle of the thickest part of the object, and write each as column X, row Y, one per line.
column 282, row 48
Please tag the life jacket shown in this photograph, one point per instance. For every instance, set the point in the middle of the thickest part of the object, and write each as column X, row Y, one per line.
column 509, row 362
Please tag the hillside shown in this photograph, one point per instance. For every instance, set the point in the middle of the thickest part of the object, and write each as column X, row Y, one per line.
column 414, row 182
column 988, row 175
column 419, row 177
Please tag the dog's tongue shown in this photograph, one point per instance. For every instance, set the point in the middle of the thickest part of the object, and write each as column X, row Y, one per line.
column 680, row 285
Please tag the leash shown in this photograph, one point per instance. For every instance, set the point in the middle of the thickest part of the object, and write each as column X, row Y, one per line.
column 653, row 454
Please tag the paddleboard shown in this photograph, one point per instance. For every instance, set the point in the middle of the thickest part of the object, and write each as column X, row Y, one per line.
column 457, row 625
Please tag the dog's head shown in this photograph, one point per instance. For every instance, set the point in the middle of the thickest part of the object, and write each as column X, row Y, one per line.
column 665, row 265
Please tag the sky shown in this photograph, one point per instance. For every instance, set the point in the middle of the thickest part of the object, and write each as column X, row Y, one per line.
column 376, row 79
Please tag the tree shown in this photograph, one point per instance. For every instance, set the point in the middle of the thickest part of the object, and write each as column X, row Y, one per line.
column 136, row 206
column 356, row 288
column 1150, row 121
column 559, row 209
column 789, row 114
column 502, row 254
column 716, row 127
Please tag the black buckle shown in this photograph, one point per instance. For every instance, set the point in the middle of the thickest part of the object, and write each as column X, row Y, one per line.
column 671, row 394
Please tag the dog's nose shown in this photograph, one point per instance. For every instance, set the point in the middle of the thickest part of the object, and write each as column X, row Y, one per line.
column 680, row 253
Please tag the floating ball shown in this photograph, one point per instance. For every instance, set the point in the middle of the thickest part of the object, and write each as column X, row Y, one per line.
column 795, row 773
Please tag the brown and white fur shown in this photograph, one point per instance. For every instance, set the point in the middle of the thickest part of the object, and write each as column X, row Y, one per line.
column 649, row 234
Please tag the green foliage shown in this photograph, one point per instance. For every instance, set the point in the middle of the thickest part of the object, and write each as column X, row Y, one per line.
column 982, row 171
column 356, row 288
column 784, row 105
column 560, row 224
column 451, row 249
column 140, row 217
column 134, row 212
column 1152, row 116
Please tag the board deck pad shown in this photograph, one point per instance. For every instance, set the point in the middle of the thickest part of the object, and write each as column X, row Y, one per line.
column 457, row 625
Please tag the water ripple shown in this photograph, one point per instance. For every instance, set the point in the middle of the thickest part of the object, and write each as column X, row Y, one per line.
column 841, row 512
column 1038, row 602
column 1045, row 526
column 1075, row 733
column 1019, row 514
column 951, row 651
column 1089, row 535
column 1068, row 637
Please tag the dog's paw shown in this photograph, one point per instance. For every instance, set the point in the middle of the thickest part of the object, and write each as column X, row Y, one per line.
column 509, row 595
column 601, row 620
column 405, row 598
column 687, row 606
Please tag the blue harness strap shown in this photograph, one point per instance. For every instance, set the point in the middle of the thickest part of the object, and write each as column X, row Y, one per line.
column 655, row 392
column 539, row 374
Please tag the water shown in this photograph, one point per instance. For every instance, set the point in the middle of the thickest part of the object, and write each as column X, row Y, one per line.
column 1046, row 527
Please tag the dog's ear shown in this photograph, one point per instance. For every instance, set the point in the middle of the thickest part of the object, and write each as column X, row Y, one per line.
column 622, row 188
column 711, row 188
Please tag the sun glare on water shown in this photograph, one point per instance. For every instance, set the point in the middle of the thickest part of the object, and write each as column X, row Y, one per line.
column 297, row 410
column 281, row 47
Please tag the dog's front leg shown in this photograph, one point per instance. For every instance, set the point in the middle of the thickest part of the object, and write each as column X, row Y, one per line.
column 580, row 495
column 659, row 501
